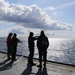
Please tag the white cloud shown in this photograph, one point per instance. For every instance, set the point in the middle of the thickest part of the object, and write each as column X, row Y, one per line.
column 29, row 16
column 4, row 32
column 55, row 10
column 57, row 13
column 14, row 29
column 62, row 6
column 50, row 8
column 17, row 29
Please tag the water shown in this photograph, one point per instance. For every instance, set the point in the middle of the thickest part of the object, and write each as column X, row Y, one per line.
column 60, row 49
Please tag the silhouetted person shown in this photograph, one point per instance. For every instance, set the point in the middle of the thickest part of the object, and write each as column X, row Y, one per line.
column 42, row 44
column 15, row 40
column 9, row 46
column 31, row 45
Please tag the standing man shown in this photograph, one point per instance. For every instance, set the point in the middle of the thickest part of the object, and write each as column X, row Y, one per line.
column 15, row 40
column 31, row 45
column 9, row 46
column 42, row 44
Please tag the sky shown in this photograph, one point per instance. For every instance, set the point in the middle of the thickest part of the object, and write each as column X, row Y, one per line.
column 55, row 17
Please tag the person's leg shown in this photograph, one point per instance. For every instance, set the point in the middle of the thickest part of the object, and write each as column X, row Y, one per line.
column 14, row 54
column 40, row 58
column 8, row 52
column 45, row 56
column 32, row 55
column 11, row 51
column 29, row 57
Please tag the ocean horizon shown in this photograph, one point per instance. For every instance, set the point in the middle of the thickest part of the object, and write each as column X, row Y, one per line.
column 60, row 49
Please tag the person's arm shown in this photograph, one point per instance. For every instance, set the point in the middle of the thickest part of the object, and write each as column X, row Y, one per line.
column 35, row 38
column 48, row 42
column 18, row 41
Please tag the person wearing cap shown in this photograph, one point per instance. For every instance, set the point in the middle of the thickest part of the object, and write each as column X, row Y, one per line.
column 9, row 46
column 15, row 41
column 42, row 45
column 31, row 46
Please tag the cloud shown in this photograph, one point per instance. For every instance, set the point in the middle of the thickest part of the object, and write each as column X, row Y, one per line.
column 21, row 31
column 17, row 29
column 50, row 8
column 56, row 13
column 29, row 16
column 62, row 6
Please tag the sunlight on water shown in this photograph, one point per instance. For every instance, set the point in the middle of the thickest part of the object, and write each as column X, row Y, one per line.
column 61, row 50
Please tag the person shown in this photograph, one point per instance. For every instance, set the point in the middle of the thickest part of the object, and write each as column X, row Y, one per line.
column 31, row 46
column 9, row 46
column 42, row 45
column 15, row 40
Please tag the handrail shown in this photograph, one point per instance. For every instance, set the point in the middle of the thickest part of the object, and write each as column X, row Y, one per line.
column 47, row 60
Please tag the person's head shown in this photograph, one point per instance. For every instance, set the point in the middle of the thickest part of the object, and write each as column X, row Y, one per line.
column 42, row 33
column 10, row 34
column 15, row 34
column 31, row 33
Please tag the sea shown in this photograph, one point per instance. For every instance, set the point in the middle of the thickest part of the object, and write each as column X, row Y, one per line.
column 60, row 50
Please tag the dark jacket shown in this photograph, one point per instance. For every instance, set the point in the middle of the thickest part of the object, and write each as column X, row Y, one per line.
column 15, row 41
column 41, row 44
column 31, row 41
column 9, row 41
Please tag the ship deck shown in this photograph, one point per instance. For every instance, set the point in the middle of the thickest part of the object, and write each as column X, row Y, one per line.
column 19, row 67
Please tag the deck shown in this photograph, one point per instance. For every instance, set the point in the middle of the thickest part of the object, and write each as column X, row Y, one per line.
column 19, row 67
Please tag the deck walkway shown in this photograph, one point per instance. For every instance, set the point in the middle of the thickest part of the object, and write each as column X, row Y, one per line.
column 19, row 67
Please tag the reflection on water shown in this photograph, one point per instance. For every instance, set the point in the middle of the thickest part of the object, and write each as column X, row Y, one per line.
column 60, row 49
